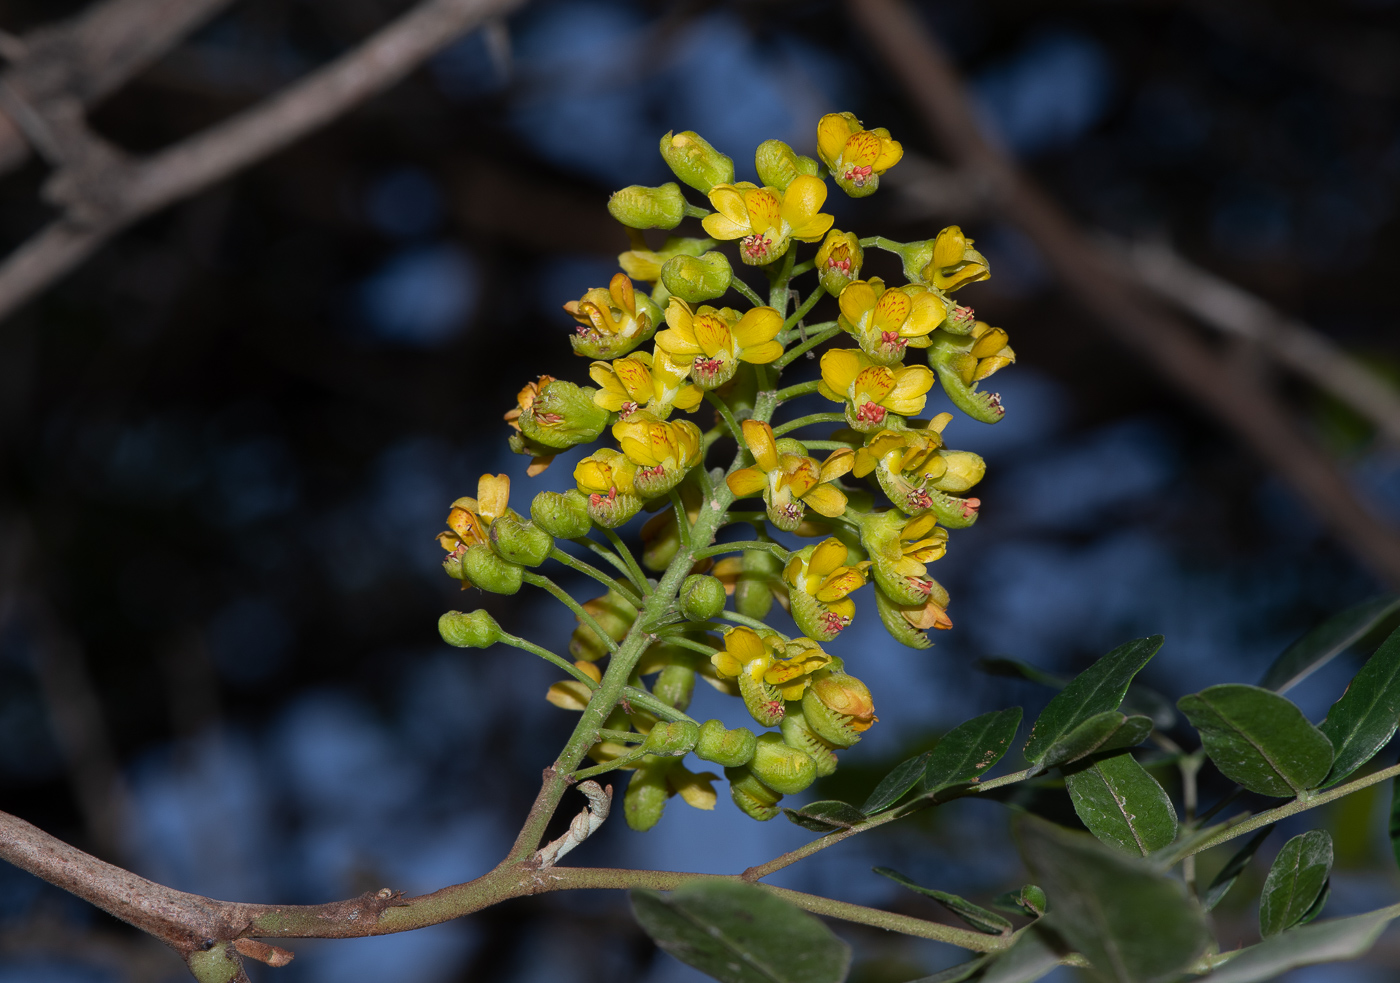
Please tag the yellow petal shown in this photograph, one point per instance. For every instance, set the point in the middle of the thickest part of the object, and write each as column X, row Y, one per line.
column 828, row 555
column 803, row 199
column 493, row 491
column 713, row 335
column 757, row 326
column 909, row 394
column 718, row 226
column 926, row 313
column 538, row 466
column 857, row 300
column 695, row 790
column 837, row 463
column 826, row 499
column 814, row 228
column 688, row 398
column 891, row 153
column 861, row 150
column 759, row 437
column 919, row 526
column 568, row 695
column 765, row 209
column 635, row 378
column 833, row 130
column 837, row 586
column 744, row 644
column 840, row 366
column 728, row 201
column 892, row 310
column 875, row 381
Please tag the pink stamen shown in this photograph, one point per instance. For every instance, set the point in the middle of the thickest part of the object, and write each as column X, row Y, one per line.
column 970, row 507
column 870, row 413
column 756, row 245
column 627, row 409
column 834, row 622
column 859, row 175
column 920, row 499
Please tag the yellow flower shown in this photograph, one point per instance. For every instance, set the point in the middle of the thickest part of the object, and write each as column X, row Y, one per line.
column 640, row 381
column 963, row 362
column 711, row 343
column 955, row 263
column 856, row 156
column 989, row 354
column 872, row 391
column 918, row 473
column 900, row 550
column 819, row 581
column 788, row 479
column 764, row 219
column 608, row 478
column 470, row 518
column 886, row 322
column 839, row 259
column 612, row 322
column 663, row 452
column 769, row 670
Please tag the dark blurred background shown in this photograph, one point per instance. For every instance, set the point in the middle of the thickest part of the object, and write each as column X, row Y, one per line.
column 228, row 441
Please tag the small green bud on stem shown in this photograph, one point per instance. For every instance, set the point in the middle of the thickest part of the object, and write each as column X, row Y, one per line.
column 562, row 515
column 472, row 630
column 702, row 597
column 639, row 207
column 731, row 748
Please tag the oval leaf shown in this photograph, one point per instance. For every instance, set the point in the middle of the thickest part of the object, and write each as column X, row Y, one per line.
column 1122, row 804
column 892, row 787
column 1105, row 731
column 1234, row 868
column 1324, row 942
column 1295, row 881
column 1259, row 739
column 1327, row 641
column 739, row 933
column 826, row 816
column 1364, row 719
column 988, row 922
column 1134, row 924
column 971, row 748
column 1100, row 687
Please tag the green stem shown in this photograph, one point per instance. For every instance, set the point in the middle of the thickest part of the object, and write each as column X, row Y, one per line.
column 634, row 571
column 809, row 420
column 589, row 570
column 644, row 700
column 524, row 644
column 743, row 619
column 603, row 552
column 743, row 544
column 880, row 242
column 682, row 520
column 805, row 267
column 727, row 415
column 1308, row 800
column 817, row 334
column 807, row 305
column 758, row 518
column 827, row 445
column 778, row 283
column 749, row 294
column 621, row 736
column 568, row 601
column 801, row 389
column 636, row 754
column 680, row 641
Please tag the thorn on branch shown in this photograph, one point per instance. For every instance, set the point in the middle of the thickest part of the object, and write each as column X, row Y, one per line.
column 584, row 825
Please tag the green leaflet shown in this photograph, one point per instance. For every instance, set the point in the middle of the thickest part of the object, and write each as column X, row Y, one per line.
column 1259, row 739
column 892, row 787
column 1323, row 942
column 1100, row 687
column 1230, row 873
column 826, row 816
column 1295, row 882
column 1363, row 720
column 988, row 922
column 739, row 933
column 970, row 749
column 1101, row 900
column 1327, row 641
column 1122, row 804
column 1105, row 731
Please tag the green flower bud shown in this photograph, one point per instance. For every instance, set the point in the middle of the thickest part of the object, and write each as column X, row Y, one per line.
column 474, row 630
column 645, row 264
column 755, row 799
column 701, row 597
column 564, row 516
column 730, row 748
column 837, row 707
column 640, row 207
column 781, row 767
column 519, row 541
column 646, row 796
column 778, row 164
column 839, row 260
column 753, row 592
column 798, row 734
column 614, row 614
column 695, row 162
column 563, row 415
column 697, row 278
column 673, row 739
column 674, row 686
column 489, row 572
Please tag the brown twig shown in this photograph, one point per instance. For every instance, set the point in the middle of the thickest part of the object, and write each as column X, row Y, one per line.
column 108, row 191
column 1118, row 303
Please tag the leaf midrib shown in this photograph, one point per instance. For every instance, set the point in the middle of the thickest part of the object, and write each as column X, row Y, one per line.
column 1253, row 743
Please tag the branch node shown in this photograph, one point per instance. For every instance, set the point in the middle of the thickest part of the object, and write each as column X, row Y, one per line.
column 585, row 824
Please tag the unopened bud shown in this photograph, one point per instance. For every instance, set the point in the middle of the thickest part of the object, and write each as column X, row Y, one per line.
column 755, row 799
column 701, row 597
column 562, row 515
column 472, row 630
column 839, row 260
column 800, row 735
column 838, row 707
column 781, row 767
column 674, row 686
column 646, row 796
column 778, row 164
column 730, row 748
column 892, row 616
column 519, row 541
column 640, row 207
column 563, row 415
column 954, row 263
column 695, row 162
column 674, row 739
column 488, row 571
column 697, row 278
column 645, row 264
column 964, row 469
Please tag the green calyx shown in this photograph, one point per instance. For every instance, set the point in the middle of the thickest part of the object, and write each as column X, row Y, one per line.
column 485, row 569
column 639, row 207
column 753, row 798
column 778, row 164
column 694, row 161
column 520, row 541
column 564, row 516
column 697, row 278
column 730, row 748
column 471, row 630
column 701, row 597
column 780, row 766
column 674, row 739
column 563, row 415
